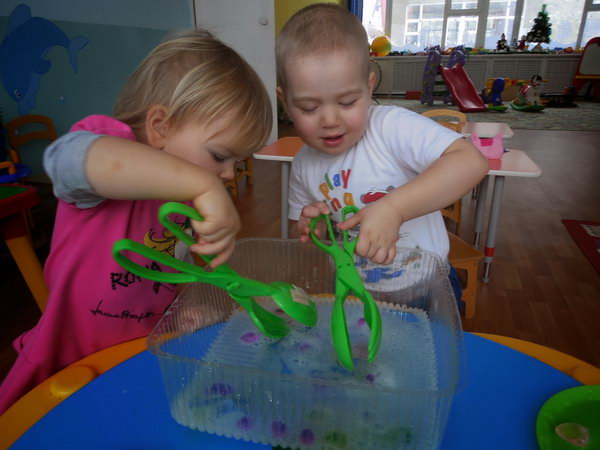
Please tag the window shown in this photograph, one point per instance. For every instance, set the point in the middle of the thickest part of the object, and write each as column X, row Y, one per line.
column 416, row 24
column 564, row 16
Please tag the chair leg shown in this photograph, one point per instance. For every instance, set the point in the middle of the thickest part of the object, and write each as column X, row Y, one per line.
column 30, row 267
column 231, row 185
column 469, row 294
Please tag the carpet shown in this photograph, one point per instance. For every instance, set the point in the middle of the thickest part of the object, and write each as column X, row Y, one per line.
column 587, row 236
column 584, row 117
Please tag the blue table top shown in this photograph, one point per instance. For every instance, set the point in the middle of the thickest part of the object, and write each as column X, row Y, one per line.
column 127, row 407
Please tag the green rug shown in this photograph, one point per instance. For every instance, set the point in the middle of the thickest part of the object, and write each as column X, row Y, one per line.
column 584, row 117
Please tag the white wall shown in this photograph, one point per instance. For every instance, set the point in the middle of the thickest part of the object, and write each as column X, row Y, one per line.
column 248, row 26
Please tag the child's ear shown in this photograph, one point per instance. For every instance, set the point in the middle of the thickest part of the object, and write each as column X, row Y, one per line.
column 281, row 97
column 156, row 128
column 372, row 81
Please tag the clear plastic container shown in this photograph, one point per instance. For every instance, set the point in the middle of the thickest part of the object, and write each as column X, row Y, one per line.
column 223, row 377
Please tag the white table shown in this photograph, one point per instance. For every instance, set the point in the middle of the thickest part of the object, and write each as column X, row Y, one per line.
column 283, row 150
column 514, row 163
column 487, row 129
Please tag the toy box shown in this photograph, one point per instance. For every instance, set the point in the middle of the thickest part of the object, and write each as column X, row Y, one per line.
column 223, row 377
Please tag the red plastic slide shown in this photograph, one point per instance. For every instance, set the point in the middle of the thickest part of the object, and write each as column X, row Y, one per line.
column 464, row 94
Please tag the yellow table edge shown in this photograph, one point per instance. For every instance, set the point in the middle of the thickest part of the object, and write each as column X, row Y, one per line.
column 582, row 371
column 40, row 400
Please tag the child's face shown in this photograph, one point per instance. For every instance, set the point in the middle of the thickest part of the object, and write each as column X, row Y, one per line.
column 208, row 146
column 328, row 97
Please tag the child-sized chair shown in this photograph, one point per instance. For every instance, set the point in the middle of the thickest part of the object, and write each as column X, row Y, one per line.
column 242, row 169
column 441, row 116
column 464, row 257
column 25, row 129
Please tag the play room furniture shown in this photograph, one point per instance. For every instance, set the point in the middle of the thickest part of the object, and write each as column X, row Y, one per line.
column 14, row 200
column 463, row 257
column 456, row 125
column 514, row 163
column 242, row 169
column 126, row 407
column 487, row 129
column 588, row 69
column 23, row 130
column 283, row 150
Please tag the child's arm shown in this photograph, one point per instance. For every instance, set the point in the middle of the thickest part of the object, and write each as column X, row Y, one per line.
column 126, row 170
column 448, row 178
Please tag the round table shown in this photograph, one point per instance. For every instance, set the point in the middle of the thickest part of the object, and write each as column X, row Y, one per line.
column 126, row 407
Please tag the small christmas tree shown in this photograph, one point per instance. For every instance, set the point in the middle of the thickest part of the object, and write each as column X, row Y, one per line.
column 541, row 30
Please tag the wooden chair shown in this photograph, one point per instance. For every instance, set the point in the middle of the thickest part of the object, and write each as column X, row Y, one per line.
column 25, row 129
column 242, row 169
column 464, row 257
column 456, row 125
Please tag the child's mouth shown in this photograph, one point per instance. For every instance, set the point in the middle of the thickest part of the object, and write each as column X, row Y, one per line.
column 333, row 141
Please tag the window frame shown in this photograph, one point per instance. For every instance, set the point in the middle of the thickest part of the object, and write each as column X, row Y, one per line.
column 482, row 11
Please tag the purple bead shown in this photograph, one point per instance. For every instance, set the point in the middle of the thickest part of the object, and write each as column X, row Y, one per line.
column 360, row 322
column 304, row 346
column 250, row 338
column 245, row 423
column 307, row 437
column 222, row 389
column 278, row 428
column 370, row 378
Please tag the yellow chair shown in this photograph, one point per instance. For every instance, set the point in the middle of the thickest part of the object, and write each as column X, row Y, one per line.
column 466, row 258
column 456, row 125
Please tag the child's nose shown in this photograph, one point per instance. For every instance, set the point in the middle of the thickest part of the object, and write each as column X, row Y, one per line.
column 228, row 171
column 329, row 118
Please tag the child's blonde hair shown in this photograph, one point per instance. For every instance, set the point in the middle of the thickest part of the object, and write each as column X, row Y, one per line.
column 321, row 29
column 197, row 77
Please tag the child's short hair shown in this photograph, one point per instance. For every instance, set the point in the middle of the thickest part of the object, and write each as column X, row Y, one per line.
column 320, row 29
column 197, row 77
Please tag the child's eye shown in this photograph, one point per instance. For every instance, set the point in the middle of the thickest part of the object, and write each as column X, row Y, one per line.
column 348, row 104
column 308, row 110
column 218, row 158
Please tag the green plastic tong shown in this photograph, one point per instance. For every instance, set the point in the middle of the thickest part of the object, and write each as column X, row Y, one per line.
column 347, row 279
column 291, row 299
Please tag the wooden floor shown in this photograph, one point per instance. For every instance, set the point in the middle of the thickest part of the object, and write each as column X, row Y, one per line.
column 542, row 288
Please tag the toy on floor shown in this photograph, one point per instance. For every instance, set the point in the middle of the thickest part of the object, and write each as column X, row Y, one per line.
column 588, row 69
column 492, row 93
column 492, row 148
column 432, row 65
column 458, row 56
column 528, row 98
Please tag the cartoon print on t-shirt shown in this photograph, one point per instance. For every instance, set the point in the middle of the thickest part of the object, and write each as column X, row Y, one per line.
column 163, row 241
column 375, row 194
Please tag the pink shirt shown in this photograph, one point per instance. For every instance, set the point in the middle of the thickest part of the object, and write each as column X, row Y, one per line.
column 94, row 303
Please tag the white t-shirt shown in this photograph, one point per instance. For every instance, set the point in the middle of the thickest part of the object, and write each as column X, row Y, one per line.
column 397, row 145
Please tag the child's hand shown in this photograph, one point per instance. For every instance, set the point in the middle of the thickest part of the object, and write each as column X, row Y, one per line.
column 216, row 234
column 308, row 213
column 379, row 227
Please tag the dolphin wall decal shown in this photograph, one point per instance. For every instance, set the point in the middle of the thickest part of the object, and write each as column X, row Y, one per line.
column 23, row 54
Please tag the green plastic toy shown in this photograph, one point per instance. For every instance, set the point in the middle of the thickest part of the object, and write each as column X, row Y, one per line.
column 292, row 300
column 347, row 279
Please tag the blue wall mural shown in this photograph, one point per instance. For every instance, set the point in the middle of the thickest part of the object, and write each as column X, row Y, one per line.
column 23, row 54
column 77, row 56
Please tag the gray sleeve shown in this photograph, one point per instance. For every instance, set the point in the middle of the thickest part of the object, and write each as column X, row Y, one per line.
column 64, row 162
